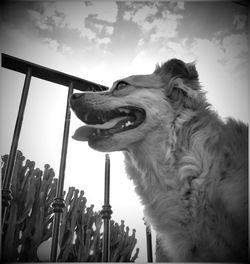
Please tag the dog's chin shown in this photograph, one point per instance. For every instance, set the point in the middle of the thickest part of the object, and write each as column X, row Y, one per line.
column 116, row 142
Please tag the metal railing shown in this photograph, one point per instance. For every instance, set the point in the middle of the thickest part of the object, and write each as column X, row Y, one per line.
column 72, row 82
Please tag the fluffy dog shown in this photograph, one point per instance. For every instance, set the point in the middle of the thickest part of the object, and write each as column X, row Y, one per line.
column 189, row 167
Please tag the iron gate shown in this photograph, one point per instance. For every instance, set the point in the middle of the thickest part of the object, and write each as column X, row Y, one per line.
column 34, row 70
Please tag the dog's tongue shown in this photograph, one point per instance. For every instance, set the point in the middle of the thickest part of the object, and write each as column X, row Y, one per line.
column 84, row 132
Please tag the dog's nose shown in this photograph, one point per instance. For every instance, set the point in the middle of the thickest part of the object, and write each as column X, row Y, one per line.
column 76, row 96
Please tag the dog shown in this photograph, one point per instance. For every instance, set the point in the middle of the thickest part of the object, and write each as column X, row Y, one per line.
column 189, row 167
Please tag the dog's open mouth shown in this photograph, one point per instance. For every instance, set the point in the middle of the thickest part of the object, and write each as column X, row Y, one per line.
column 104, row 124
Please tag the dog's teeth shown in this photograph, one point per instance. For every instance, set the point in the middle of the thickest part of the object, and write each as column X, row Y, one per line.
column 129, row 123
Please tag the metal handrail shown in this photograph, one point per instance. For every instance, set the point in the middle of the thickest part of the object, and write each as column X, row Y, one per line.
column 51, row 75
column 48, row 74
column 72, row 82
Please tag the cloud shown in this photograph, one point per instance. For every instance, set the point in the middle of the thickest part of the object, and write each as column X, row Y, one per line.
column 234, row 45
column 72, row 16
column 240, row 21
column 76, row 13
column 55, row 46
column 52, row 44
column 204, row 48
column 103, row 40
column 165, row 28
column 144, row 13
column 156, row 22
column 179, row 50
column 109, row 30
column 39, row 20
column 227, row 54
column 66, row 50
column 89, row 34
column 176, row 6
column 105, row 10
column 96, row 30
column 127, row 15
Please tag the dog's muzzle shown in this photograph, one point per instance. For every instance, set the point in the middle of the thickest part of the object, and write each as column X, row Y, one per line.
column 101, row 123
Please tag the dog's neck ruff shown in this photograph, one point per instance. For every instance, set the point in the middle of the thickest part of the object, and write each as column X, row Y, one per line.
column 167, row 169
column 155, row 156
column 176, row 163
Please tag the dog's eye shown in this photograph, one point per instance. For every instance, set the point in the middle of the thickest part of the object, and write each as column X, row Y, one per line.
column 121, row 85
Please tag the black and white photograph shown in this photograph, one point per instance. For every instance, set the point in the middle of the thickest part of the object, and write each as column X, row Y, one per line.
column 124, row 131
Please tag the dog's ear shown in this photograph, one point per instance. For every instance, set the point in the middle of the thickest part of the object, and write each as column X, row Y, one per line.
column 181, row 83
column 177, row 68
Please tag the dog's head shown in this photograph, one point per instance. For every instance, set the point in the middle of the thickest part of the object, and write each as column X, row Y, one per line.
column 137, row 107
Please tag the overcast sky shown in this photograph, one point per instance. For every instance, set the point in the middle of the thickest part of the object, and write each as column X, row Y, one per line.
column 102, row 41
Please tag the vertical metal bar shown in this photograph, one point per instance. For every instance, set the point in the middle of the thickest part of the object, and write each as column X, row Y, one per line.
column 149, row 242
column 106, row 213
column 58, row 204
column 6, row 192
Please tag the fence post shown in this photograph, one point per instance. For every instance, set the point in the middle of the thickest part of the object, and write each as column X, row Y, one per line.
column 106, row 213
column 149, row 241
column 6, row 192
column 58, row 204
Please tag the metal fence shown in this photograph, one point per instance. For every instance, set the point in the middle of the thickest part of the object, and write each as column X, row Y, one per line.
column 34, row 70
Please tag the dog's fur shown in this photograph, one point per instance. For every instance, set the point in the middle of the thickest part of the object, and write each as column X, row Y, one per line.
column 189, row 167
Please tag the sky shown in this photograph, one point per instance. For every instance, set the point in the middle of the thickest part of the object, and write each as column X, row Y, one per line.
column 103, row 41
